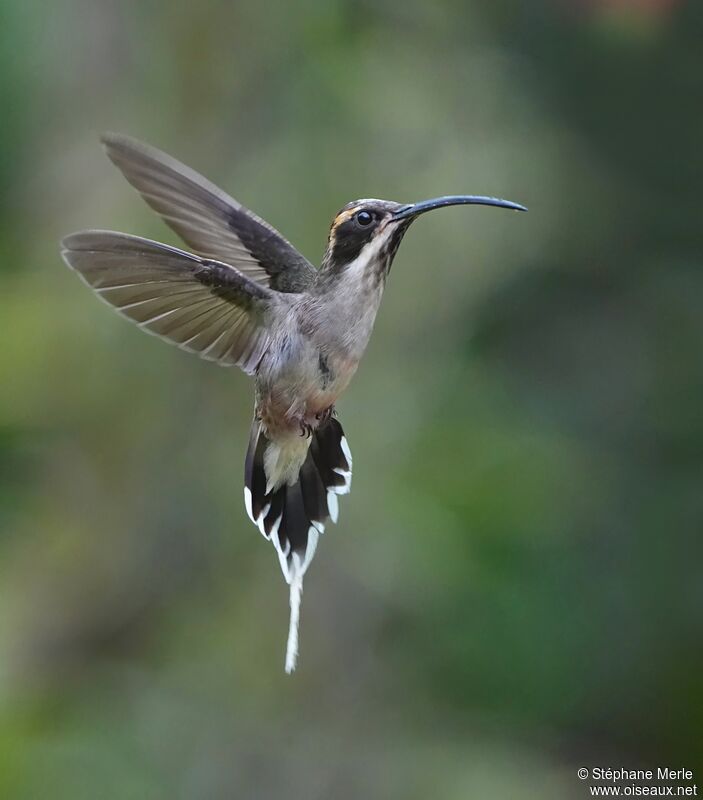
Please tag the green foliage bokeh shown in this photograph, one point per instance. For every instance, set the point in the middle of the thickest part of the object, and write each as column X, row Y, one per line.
column 514, row 588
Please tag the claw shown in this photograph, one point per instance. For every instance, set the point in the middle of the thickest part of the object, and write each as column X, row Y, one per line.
column 323, row 416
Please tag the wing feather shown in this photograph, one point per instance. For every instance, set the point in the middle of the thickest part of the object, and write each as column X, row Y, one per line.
column 214, row 224
column 204, row 306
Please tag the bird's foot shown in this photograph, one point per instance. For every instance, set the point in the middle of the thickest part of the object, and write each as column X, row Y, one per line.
column 323, row 416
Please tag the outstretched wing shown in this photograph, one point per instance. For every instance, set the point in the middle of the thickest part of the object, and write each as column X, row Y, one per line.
column 204, row 306
column 209, row 220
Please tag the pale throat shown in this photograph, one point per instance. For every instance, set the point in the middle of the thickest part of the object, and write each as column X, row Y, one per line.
column 367, row 263
column 358, row 295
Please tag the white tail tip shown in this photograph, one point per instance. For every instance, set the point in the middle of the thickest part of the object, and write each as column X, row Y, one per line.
column 296, row 590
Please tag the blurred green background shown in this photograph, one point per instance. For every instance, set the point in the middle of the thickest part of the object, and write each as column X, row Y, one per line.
column 515, row 588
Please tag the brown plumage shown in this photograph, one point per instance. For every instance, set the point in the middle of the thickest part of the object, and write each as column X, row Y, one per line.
column 247, row 297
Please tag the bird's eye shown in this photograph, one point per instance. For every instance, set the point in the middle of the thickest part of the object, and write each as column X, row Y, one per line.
column 364, row 218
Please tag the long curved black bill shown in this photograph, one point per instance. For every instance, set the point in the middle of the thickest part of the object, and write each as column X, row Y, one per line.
column 414, row 209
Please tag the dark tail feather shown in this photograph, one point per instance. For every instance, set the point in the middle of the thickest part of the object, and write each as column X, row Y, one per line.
column 292, row 517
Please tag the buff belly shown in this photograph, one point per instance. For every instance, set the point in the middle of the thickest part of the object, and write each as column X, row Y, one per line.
column 291, row 407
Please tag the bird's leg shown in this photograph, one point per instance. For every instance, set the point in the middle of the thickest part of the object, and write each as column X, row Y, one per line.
column 308, row 424
column 323, row 416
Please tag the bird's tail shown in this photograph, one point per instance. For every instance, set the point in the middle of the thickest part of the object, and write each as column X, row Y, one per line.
column 293, row 515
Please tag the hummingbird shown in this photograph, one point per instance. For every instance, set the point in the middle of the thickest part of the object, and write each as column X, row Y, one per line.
column 244, row 296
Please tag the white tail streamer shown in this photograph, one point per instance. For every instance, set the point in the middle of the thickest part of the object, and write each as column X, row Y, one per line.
column 296, row 591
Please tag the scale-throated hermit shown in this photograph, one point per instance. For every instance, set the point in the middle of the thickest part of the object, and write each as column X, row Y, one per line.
column 247, row 297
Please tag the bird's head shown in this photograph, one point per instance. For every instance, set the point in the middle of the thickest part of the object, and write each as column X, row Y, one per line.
column 365, row 234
